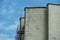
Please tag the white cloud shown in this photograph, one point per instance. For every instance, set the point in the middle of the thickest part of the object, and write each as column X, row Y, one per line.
column 5, row 37
column 8, row 11
column 2, row 25
column 12, row 27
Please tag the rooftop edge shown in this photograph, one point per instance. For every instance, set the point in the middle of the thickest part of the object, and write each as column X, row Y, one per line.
column 33, row 7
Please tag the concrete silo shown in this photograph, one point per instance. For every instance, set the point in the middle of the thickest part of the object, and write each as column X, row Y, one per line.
column 20, row 32
column 54, row 21
column 36, row 23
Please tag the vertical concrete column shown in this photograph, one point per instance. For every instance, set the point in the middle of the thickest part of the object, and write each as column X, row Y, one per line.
column 36, row 23
column 22, row 28
column 21, row 22
column 54, row 21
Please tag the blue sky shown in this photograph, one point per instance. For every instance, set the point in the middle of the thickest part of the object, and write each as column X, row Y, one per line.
column 12, row 10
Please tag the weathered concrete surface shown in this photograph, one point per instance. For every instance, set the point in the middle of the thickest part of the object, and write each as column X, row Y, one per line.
column 20, row 27
column 21, row 22
column 54, row 21
column 21, row 34
column 36, row 24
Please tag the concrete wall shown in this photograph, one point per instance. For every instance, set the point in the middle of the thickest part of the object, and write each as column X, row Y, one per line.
column 21, row 31
column 54, row 21
column 36, row 23
column 21, row 22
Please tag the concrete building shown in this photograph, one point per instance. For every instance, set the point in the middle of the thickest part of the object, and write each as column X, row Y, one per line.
column 36, row 23
column 54, row 21
column 40, row 23
column 22, row 28
column 20, row 33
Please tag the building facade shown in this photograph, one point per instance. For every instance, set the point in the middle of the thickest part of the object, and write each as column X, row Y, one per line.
column 40, row 23
column 20, row 32
column 35, row 23
column 54, row 21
